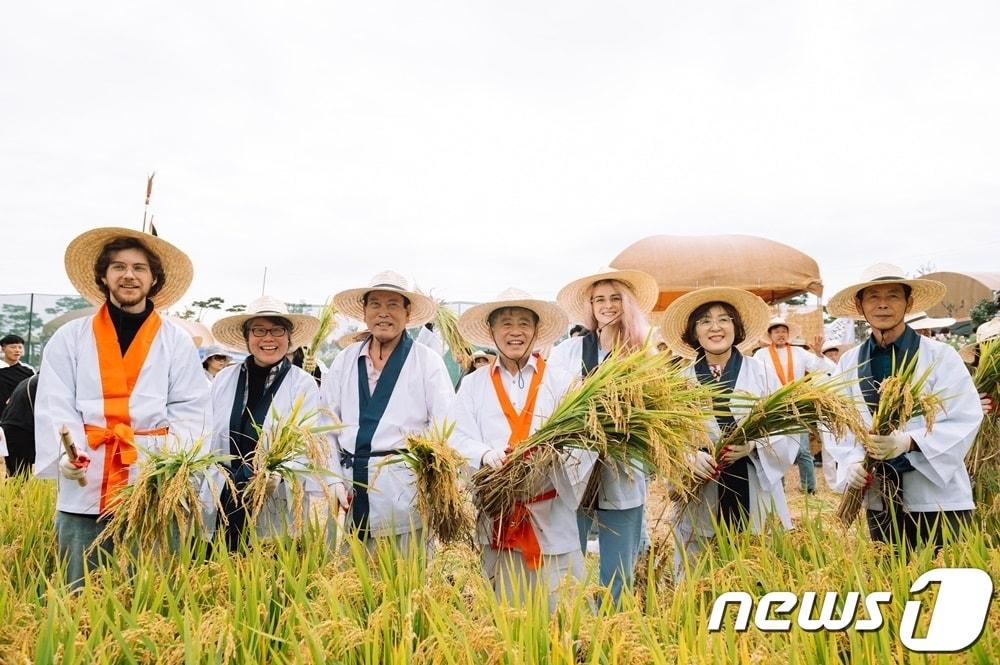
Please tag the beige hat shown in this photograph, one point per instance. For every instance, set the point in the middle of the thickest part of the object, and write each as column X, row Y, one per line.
column 229, row 331
column 925, row 292
column 552, row 320
column 831, row 344
column 794, row 331
column 351, row 302
column 985, row 332
column 920, row 321
column 83, row 251
column 345, row 341
column 753, row 311
column 573, row 297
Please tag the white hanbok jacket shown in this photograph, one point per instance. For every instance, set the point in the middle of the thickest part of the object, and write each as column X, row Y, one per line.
column 802, row 360
column 940, row 480
column 170, row 391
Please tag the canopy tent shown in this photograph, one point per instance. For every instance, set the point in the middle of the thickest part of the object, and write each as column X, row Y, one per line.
column 965, row 290
column 201, row 335
column 680, row 264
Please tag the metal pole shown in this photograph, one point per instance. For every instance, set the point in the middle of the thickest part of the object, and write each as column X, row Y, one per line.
column 31, row 318
column 263, row 284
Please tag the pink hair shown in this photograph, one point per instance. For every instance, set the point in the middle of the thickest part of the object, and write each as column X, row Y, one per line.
column 632, row 324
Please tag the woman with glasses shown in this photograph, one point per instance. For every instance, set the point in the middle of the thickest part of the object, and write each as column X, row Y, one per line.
column 246, row 399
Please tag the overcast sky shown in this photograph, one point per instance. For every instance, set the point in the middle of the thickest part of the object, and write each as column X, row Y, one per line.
column 477, row 145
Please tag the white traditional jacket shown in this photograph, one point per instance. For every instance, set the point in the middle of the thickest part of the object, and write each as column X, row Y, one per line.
column 170, row 392
column 480, row 426
column 940, row 480
column 802, row 361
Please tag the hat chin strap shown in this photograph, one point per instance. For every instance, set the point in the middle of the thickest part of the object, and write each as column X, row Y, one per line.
column 516, row 361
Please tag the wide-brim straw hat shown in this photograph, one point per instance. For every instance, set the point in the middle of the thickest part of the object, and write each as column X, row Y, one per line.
column 229, row 331
column 985, row 332
column 82, row 252
column 573, row 297
column 552, row 320
column 753, row 311
column 351, row 302
column 925, row 292
column 345, row 341
column 920, row 321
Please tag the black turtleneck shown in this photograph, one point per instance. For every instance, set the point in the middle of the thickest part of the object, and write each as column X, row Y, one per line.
column 127, row 324
column 256, row 376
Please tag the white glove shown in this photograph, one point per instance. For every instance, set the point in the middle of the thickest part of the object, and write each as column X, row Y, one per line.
column 74, row 470
column 857, row 477
column 889, row 446
column 340, row 492
column 273, row 480
column 737, row 451
column 494, row 458
column 704, row 465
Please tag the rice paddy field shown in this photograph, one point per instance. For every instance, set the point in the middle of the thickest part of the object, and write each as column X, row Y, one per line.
column 300, row 602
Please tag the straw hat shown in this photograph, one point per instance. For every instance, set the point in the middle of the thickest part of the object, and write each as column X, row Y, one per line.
column 985, row 332
column 920, row 321
column 926, row 292
column 831, row 344
column 229, row 331
column 345, row 341
column 573, row 297
column 752, row 310
column 351, row 302
column 479, row 353
column 82, row 252
column 552, row 321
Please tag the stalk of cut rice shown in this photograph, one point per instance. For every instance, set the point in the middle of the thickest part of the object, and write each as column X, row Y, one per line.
column 446, row 322
column 636, row 408
column 326, row 318
column 984, row 457
column 165, row 494
column 437, row 467
column 296, row 448
column 901, row 398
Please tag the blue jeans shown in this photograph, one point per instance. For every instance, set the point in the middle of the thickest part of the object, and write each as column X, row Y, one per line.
column 74, row 535
column 807, row 469
column 618, row 533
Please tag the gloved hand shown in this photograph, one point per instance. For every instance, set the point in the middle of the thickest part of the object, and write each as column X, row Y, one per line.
column 340, row 492
column 494, row 458
column 986, row 402
column 737, row 451
column 704, row 465
column 273, row 480
column 857, row 477
column 889, row 446
column 74, row 470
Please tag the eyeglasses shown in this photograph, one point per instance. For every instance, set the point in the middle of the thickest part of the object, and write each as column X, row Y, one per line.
column 276, row 331
column 600, row 300
column 707, row 322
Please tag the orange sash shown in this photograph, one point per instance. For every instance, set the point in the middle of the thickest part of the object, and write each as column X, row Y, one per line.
column 118, row 377
column 784, row 378
column 514, row 532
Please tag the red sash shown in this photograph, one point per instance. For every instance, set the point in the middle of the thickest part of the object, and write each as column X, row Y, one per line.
column 784, row 378
column 514, row 531
column 118, row 377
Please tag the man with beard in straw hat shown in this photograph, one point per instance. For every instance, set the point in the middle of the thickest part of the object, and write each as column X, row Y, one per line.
column 613, row 306
column 497, row 407
column 786, row 362
column 246, row 400
column 383, row 389
column 120, row 380
column 921, row 482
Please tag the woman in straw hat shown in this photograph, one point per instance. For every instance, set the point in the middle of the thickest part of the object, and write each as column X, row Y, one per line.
column 922, row 479
column 383, row 389
column 713, row 327
column 248, row 398
column 613, row 306
column 121, row 380
column 497, row 407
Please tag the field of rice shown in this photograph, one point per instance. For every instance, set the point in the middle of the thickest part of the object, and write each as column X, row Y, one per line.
column 302, row 603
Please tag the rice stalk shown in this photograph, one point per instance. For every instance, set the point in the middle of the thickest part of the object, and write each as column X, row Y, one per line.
column 326, row 320
column 446, row 322
column 983, row 459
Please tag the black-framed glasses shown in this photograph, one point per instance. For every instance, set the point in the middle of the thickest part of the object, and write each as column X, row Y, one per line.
column 274, row 331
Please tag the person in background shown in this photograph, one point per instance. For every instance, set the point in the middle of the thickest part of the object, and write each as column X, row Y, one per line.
column 215, row 360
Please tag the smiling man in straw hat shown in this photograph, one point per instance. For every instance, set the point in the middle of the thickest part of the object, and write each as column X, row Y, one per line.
column 119, row 380
column 383, row 389
column 497, row 407
column 921, row 480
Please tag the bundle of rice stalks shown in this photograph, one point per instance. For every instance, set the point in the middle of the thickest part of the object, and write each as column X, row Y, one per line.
column 438, row 468
column 296, row 448
column 164, row 496
column 984, row 456
column 901, row 398
column 811, row 402
column 637, row 408
column 325, row 328
column 446, row 322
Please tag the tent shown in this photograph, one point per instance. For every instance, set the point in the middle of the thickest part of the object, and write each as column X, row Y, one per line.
column 965, row 290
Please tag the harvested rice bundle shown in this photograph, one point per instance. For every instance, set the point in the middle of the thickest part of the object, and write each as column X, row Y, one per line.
column 636, row 408
column 447, row 325
column 165, row 493
column 901, row 398
column 325, row 328
column 295, row 448
column 438, row 467
column 984, row 456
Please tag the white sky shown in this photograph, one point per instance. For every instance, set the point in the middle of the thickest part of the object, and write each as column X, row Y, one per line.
column 477, row 145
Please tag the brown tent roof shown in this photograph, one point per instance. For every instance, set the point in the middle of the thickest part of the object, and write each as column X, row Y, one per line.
column 681, row 264
column 965, row 289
